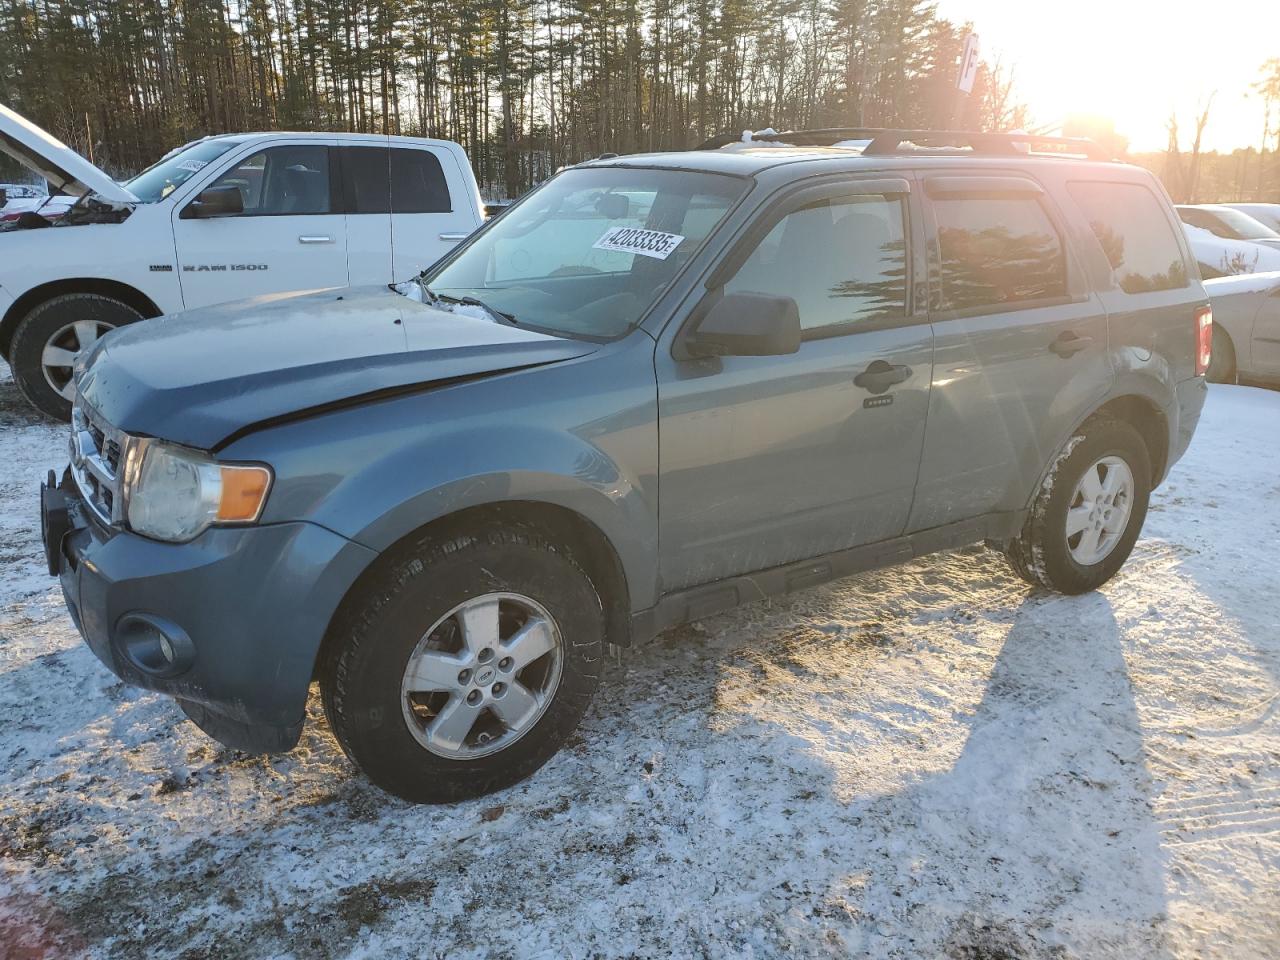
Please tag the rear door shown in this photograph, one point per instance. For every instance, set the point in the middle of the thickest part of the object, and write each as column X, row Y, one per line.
column 366, row 191
column 431, row 209
column 1021, row 345
column 291, row 235
column 769, row 460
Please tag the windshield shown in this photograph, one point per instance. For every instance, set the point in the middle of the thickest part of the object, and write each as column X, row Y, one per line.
column 1244, row 226
column 161, row 179
column 589, row 252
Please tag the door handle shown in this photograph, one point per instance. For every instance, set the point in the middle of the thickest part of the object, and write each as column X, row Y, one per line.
column 881, row 375
column 1070, row 343
column 454, row 237
column 307, row 239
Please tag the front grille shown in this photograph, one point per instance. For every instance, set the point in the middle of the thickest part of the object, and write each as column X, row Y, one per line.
column 96, row 448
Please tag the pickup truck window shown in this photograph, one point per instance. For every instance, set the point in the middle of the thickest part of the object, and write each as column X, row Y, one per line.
column 1135, row 234
column 998, row 251
column 417, row 182
column 161, row 179
column 586, row 254
column 287, row 180
column 843, row 261
column 365, row 182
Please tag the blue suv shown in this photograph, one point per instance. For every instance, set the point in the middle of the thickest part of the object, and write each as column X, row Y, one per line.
column 655, row 388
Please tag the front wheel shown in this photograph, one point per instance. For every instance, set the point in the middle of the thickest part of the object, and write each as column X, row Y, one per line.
column 463, row 667
column 1088, row 512
column 50, row 338
column 1222, row 360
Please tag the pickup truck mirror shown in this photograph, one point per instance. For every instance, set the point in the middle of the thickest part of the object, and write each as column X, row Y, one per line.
column 746, row 325
column 215, row 202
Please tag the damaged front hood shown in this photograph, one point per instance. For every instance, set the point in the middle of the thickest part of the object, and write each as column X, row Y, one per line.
column 198, row 377
column 66, row 170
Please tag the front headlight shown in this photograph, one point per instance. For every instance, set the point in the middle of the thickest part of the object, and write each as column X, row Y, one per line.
column 174, row 494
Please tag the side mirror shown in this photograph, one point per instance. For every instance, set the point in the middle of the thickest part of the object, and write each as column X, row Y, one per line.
column 747, row 325
column 4, row 196
column 215, row 202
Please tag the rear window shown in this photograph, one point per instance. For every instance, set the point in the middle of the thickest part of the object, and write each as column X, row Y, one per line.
column 1135, row 234
column 417, row 183
column 998, row 252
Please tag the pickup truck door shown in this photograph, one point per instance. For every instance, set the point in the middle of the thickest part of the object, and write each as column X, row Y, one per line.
column 290, row 236
column 434, row 206
column 773, row 459
column 1021, row 345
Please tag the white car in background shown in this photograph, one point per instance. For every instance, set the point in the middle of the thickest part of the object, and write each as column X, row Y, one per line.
column 1220, row 257
column 1266, row 213
column 220, row 219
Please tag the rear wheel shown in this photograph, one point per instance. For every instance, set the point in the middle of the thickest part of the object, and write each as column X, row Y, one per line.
column 50, row 338
column 1222, row 363
column 464, row 666
column 1088, row 512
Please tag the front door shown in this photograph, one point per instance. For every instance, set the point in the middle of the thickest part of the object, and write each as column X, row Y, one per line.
column 289, row 236
column 769, row 460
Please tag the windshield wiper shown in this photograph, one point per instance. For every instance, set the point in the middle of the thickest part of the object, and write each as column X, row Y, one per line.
column 497, row 315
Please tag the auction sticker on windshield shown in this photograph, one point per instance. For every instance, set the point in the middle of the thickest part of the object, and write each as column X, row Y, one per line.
column 647, row 243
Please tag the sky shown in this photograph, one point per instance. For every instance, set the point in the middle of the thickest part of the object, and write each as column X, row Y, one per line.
column 1133, row 61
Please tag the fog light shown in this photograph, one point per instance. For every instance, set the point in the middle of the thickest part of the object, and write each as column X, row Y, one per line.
column 154, row 645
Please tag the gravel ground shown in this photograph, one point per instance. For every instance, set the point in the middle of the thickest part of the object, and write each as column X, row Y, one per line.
column 927, row 761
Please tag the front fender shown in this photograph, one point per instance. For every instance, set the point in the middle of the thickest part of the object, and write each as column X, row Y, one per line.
column 581, row 435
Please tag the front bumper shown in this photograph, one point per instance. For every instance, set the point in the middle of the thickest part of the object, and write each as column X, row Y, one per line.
column 242, row 612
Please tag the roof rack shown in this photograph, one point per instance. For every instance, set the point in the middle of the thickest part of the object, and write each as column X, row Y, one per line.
column 888, row 142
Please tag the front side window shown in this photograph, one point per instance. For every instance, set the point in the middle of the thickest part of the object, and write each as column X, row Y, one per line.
column 997, row 251
column 589, row 252
column 843, row 261
column 161, row 179
column 1135, row 234
column 282, row 181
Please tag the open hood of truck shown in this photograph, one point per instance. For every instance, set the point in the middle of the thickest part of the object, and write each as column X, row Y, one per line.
column 65, row 169
column 200, row 377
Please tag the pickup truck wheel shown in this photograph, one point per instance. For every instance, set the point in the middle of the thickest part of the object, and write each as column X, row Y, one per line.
column 1088, row 512
column 463, row 666
column 1222, row 362
column 49, row 339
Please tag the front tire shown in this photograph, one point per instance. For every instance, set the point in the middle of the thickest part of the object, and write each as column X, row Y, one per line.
column 51, row 337
column 463, row 665
column 1088, row 512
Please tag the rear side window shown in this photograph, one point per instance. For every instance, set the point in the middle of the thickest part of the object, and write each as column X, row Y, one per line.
column 417, row 183
column 366, row 180
column 997, row 252
column 1135, row 234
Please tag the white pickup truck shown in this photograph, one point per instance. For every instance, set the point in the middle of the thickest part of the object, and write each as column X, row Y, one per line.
column 220, row 219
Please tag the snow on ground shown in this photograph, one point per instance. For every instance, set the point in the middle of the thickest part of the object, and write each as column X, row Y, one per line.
column 921, row 762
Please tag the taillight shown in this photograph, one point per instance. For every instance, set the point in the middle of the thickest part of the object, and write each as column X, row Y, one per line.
column 1204, row 340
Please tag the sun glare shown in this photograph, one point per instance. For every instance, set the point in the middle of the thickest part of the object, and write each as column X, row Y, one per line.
column 1133, row 62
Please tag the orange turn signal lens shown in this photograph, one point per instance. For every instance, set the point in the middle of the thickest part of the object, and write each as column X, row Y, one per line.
column 244, row 492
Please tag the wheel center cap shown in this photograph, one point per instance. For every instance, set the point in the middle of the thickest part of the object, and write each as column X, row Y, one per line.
column 485, row 676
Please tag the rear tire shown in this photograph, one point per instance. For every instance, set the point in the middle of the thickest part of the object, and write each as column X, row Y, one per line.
column 1078, row 534
column 51, row 336
column 1222, row 363
column 419, row 708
